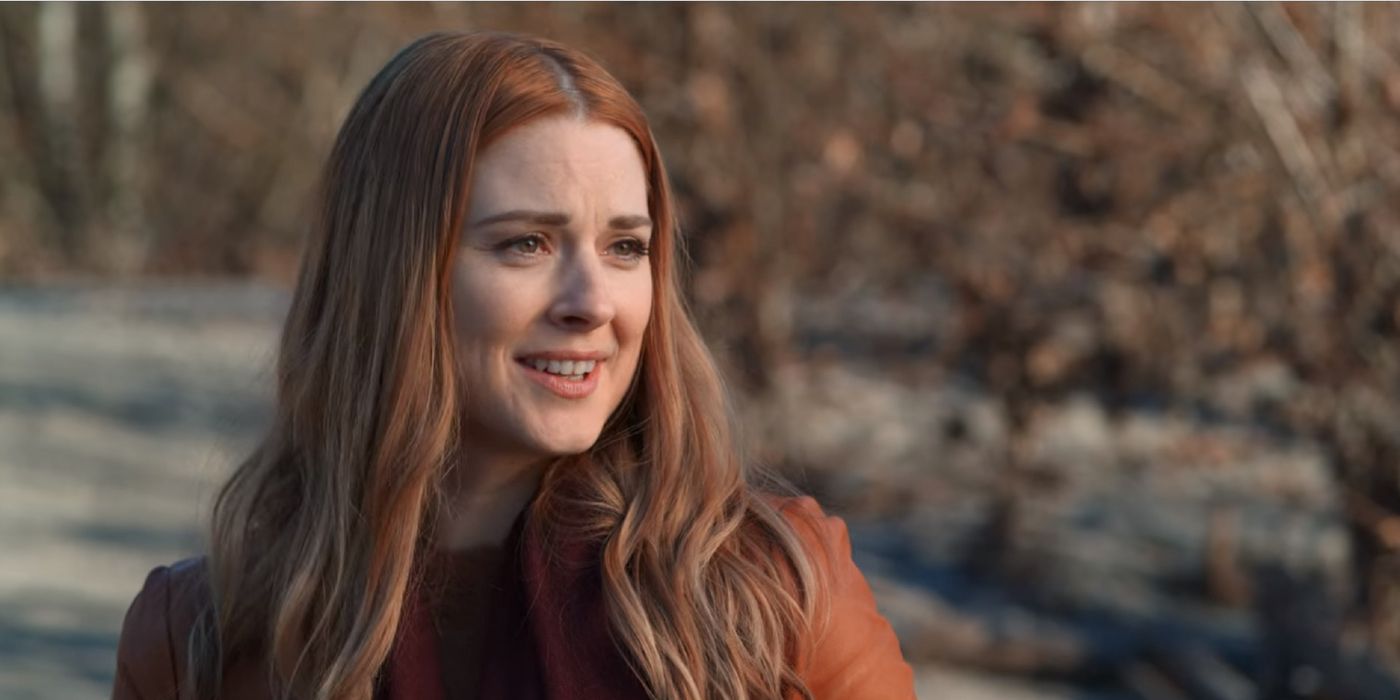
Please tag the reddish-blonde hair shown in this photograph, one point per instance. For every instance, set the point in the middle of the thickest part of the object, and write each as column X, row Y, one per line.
column 317, row 538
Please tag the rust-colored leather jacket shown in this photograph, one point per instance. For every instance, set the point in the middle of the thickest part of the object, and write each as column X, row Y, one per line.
column 856, row 658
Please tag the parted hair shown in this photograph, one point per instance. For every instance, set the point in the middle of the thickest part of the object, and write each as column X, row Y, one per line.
column 318, row 537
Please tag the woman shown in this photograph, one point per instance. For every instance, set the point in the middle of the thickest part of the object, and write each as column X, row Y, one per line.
column 502, row 463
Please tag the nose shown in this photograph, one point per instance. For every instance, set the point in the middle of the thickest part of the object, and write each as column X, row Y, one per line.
column 584, row 301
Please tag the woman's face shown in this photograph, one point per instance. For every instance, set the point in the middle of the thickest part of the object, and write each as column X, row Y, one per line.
column 552, row 287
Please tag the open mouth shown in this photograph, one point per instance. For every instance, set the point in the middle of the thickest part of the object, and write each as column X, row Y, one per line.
column 574, row 371
column 569, row 380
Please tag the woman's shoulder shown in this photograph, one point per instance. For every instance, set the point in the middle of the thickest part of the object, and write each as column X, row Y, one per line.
column 157, row 624
column 824, row 536
column 854, row 652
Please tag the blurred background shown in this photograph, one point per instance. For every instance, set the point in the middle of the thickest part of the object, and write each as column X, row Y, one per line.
column 1084, row 317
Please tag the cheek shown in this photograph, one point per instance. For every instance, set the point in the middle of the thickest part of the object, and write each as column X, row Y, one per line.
column 633, row 318
column 637, row 309
column 487, row 317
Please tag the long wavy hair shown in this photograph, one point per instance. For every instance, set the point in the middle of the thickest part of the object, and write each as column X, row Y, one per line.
column 318, row 538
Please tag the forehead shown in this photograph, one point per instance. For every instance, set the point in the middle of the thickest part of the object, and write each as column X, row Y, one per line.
column 560, row 162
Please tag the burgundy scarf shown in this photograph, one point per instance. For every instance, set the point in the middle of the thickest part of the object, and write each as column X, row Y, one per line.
column 547, row 638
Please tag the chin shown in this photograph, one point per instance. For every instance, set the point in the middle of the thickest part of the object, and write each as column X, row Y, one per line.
column 562, row 445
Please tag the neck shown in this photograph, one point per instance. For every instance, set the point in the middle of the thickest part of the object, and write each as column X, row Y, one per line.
column 484, row 496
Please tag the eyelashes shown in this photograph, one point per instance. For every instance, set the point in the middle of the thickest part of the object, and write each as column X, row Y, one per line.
column 639, row 249
column 512, row 244
column 532, row 244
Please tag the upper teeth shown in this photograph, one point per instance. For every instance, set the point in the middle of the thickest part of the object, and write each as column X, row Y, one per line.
column 566, row 367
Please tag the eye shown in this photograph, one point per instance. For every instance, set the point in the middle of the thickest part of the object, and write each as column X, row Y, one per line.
column 632, row 248
column 524, row 245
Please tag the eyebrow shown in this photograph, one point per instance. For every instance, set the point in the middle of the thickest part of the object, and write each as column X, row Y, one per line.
column 554, row 218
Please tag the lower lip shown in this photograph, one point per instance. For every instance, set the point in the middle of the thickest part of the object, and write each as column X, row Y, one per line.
column 566, row 388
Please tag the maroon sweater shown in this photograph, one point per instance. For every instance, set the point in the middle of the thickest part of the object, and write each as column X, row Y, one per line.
column 546, row 630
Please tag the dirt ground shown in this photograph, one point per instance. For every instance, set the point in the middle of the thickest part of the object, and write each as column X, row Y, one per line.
column 120, row 408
